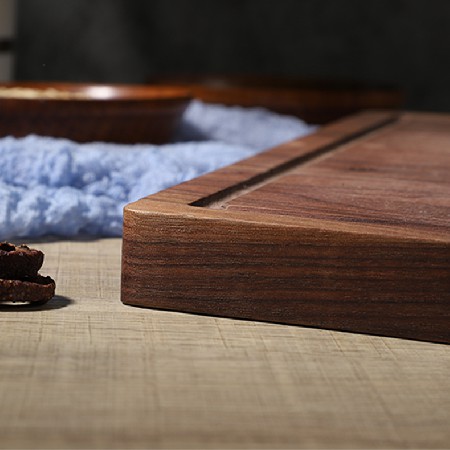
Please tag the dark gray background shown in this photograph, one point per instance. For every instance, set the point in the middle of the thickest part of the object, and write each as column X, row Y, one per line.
column 405, row 43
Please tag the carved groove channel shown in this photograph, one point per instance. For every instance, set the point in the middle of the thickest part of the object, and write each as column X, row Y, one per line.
column 219, row 199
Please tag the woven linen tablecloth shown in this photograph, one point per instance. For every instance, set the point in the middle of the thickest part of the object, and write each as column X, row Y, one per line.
column 86, row 371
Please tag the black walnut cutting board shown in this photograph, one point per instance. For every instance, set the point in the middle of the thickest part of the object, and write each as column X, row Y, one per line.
column 345, row 229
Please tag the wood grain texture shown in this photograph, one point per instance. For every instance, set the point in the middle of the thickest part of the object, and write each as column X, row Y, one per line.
column 86, row 371
column 347, row 229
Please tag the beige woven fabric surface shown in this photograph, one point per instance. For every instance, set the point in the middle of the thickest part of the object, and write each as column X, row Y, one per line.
column 89, row 372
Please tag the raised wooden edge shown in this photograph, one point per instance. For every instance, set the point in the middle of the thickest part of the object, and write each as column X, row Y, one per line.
column 197, row 196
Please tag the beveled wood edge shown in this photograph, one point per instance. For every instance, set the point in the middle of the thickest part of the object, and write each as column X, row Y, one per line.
column 185, row 199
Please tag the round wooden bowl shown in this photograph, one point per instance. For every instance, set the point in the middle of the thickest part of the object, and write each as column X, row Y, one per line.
column 92, row 112
column 315, row 101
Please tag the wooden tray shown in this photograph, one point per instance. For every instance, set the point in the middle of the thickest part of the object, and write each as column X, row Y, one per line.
column 91, row 112
column 346, row 229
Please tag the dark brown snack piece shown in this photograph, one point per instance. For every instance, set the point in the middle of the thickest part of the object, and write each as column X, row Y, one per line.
column 18, row 262
column 29, row 290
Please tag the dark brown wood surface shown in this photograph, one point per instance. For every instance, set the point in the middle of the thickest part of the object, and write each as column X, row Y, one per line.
column 346, row 229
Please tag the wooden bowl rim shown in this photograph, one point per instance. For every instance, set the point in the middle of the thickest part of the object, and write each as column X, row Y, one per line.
column 90, row 92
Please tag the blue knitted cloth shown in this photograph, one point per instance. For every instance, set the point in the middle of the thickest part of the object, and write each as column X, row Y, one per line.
column 58, row 187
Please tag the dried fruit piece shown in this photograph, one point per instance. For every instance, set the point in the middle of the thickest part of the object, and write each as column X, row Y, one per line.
column 17, row 262
column 34, row 289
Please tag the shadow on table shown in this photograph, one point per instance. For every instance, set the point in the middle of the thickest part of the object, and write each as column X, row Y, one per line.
column 57, row 302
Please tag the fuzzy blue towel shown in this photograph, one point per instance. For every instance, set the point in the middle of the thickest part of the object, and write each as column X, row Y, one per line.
column 54, row 186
